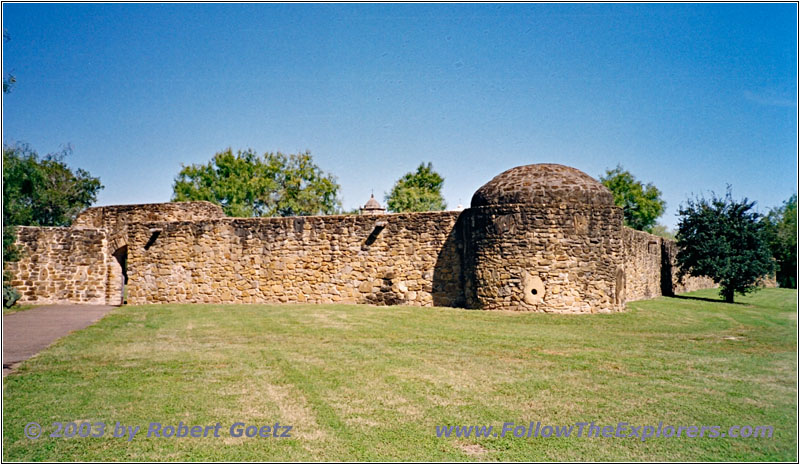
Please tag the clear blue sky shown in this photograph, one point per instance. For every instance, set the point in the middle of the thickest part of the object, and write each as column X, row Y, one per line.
column 688, row 97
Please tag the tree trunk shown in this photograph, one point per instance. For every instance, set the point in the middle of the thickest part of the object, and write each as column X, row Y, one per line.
column 728, row 293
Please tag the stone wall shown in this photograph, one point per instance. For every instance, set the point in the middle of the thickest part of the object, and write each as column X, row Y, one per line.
column 650, row 269
column 642, row 264
column 669, row 270
column 410, row 259
column 572, row 256
column 541, row 237
column 114, row 217
column 553, row 258
column 60, row 265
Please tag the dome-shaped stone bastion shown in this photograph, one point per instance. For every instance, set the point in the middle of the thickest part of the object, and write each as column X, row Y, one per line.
column 544, row 237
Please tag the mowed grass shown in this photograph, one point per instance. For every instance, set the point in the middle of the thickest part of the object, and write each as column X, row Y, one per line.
column 371, row 383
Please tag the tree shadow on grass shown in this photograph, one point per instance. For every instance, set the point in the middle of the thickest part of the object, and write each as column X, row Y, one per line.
column 704, row 299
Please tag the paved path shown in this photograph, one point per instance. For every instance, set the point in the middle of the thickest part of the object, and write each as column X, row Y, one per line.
column 27, row 332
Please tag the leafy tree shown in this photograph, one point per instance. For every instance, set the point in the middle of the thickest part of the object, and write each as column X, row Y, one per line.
column 723, row 239
column 663, row 231
column 781, row 228
column 40, row 192
column 641, row 204
column 246, row 184
column 8, row 80
column 419, row 191
column 43, row 191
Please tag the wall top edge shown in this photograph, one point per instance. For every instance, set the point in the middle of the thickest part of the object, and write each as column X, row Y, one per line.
column 317, row 218
column 144, row 205
column 57, row 228
column 648, row 236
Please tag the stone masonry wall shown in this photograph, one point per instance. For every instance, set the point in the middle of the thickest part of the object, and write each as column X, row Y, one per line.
column 650, row 269
column 553, row 258
column 60, row 265
column 410, row 259
column 670, row 270
column 642, row 264
column 461, row 259
column 116, row 216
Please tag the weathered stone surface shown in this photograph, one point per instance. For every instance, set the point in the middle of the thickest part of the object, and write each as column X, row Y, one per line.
column 545, row 183
column 114, row 217
column 509, row 244
column 299, row 260
column 532, row 289
column 539, row 238
column 543, row 237
column 650, row 270
column 60, row 265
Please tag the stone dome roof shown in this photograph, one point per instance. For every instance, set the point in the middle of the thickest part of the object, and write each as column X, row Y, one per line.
column 542, row 183
column 372, row 207
column 372, row 203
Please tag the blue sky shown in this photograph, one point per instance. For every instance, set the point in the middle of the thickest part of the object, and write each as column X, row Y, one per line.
column 688, row 97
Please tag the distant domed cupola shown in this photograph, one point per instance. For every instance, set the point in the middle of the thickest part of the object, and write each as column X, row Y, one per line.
column 372, row 207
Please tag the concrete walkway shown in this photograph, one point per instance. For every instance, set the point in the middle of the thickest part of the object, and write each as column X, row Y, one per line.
column 27, row 332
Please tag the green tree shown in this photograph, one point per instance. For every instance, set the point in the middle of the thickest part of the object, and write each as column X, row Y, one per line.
column 44, row 191
column 641, row 204
column 246, row 184
column 8, row 80
column 723, row 239
column 419, row 191
column 40, row 192
column 781, row 228
column 663, row 231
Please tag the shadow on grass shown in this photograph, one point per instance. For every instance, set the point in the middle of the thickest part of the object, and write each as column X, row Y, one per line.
column 704, row 299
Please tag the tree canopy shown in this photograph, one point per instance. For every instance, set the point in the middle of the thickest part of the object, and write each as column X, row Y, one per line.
column 8, row 79
column 725, row 240
column 663, row 231
column 40, row 192
column 781, row 228
column 246, row 184
column 641, row 204
column 418, row 191
column 44, row 191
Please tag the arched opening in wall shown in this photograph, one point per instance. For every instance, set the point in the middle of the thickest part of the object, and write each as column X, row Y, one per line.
column 121, row 278
column 619, row 289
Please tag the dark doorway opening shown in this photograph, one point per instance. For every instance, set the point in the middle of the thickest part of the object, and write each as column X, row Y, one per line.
column 121, row 255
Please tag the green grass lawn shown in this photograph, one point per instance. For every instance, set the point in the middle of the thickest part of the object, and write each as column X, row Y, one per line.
column 371, row 383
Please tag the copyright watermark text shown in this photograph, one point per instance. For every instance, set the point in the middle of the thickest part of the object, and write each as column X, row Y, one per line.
column 99, row 429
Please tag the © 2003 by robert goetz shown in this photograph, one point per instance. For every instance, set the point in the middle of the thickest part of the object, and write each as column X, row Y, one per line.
column 158, row 430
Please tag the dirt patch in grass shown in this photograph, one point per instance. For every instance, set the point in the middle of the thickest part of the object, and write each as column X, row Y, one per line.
column 473, row 450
